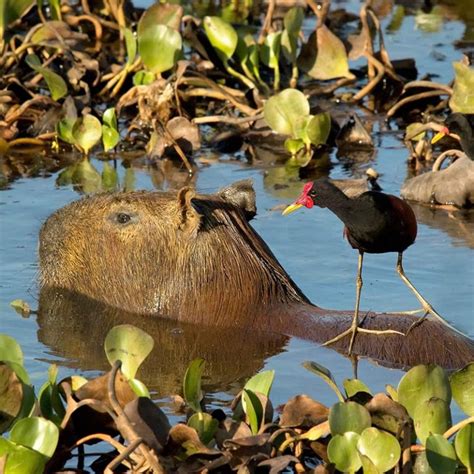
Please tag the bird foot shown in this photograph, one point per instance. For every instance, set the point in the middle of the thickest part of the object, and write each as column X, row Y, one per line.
column 354, row 330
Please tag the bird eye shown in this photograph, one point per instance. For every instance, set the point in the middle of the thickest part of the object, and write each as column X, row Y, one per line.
column 123, row 218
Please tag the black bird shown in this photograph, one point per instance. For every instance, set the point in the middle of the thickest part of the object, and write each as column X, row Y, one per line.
column 459, row 126
column 374, row 223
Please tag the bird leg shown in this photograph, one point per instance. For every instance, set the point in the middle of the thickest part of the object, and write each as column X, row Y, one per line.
column 427, row 308
column 355, row 320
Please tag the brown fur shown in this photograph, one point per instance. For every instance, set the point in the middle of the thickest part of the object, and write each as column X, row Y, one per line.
column 196, row 259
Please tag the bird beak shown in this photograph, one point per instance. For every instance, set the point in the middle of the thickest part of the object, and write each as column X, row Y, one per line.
column 291, row 208
column 440, row 135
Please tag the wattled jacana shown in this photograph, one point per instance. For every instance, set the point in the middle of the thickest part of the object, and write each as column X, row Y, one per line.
column 374, row 223
column 460, row 126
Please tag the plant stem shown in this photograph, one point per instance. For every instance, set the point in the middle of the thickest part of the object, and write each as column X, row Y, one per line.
column 250, row 84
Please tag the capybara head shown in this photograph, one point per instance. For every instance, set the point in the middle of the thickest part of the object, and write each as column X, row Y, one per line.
column 184, row 256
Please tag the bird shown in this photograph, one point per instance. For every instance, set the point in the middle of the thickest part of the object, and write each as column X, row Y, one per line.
column 374, row 222
column 459, row 126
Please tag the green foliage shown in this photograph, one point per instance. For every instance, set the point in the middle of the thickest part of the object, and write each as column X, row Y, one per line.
column 221, row 35
column 192, row 384
column 348, row 416
column 325, row 374
column 110, row 132
column 440, row 454
column 462, row 99
column 462, row 387
column 342, row 451
column 55, row 82
column 464, row 445
column 381, row 448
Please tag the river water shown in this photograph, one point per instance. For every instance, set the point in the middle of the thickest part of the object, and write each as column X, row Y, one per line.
column 308, row 243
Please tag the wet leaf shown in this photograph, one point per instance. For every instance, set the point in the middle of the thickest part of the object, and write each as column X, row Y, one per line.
column 464, row 445
column 342, row 452
column 36, row 433
column 318, row 128
column 282, row 111
column 303, row 411
column 348, row 416
column 325, row 374
column 55, row 82
column 10, row 350
column 440, row 454
column 21, row 307
column 221, row 35
column 11, row 396
column 143, row 78
column 129, row 344
column 294, row 145
column 110, row 134
column 86, row 132
column 168, row 14
column 64, row 130
column 205, row 425
column 462, row 387
column 192, row 384
column 422, row 383
column 381, row 448
column 328, row 60
column 387, row 414
column 431, row 416
column 462, row 99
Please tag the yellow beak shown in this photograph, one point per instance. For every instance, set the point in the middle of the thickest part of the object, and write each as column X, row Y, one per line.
column 291, row 208
column 438, row 137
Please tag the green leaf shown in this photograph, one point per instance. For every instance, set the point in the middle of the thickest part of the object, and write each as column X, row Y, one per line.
column 110, row 137
column 36, row 433
column 283, row 110
column 463, row 388
column 21, row 460
column 412, row 128
column 380, row 447
column 325, row 374
column 143, row 78
column 343, row 453
column 129, row 344
column 192, row 384
column 109, row 118
column 392, row 391
column 431, row 416
column 294, row 145
column 440, row 454
column 318, row 128
column 55, row 6
column 462, row 99
column 140, row 389
column 10, row 350
column 159, row 47
column 131, row 45
column 464, row 445
column 293, row 20
column 21, row 307
column 324, row 57
column 86, row 132
column 168, row 14
column 420, row 384
column 109, row 177
column 354, row 386
column 221, row 35
column 64, row 129
column 253, row 409
column 55, row 82
column 205, row 425
column 348, row 416
column 11, row 10
column 261, row 382
column 270, row 50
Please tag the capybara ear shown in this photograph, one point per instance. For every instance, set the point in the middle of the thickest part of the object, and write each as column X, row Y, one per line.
column 241, row 194
column 190, row 219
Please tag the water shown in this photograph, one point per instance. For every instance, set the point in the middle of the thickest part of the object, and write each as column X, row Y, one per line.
column 309, row 244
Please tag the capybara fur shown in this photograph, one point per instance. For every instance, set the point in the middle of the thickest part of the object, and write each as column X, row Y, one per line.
column 195, row 259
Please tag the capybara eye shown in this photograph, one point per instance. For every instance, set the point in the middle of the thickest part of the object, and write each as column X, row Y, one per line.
column 123, row 218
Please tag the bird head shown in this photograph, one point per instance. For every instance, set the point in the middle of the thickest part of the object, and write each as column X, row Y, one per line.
column 442, row 133
column 305, row 199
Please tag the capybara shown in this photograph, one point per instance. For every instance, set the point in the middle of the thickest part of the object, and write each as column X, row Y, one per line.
column 196, row 259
